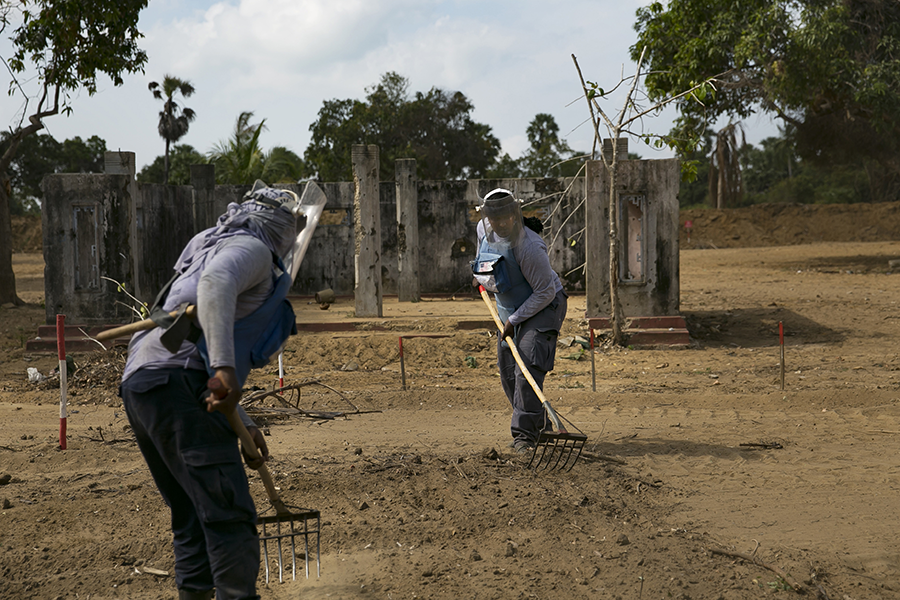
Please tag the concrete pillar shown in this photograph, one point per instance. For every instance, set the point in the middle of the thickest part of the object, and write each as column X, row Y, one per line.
column 407, row 229
column 118, row 162
column 203, row 180
column 596, row 239
column 367, row 219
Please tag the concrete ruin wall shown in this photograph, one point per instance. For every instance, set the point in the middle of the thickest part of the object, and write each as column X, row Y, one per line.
column 167, row 216
column 86, row 238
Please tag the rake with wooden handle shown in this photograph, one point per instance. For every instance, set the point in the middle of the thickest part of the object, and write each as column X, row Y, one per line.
column 123, row 330
column 556, row 445
column 284, row 526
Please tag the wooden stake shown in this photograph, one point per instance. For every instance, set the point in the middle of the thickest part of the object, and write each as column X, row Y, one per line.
column 593, row 368
column 781, row 340
column 402, row 366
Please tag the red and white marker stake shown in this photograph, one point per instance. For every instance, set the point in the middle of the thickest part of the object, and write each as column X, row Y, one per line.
column 61, row 350
column 281, row 371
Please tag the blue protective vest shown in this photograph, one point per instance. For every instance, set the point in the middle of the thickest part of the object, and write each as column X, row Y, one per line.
column 509, row 301
column 260, row 334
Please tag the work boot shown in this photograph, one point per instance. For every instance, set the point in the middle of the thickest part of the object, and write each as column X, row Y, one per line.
column 523, row 446
column 189, row 595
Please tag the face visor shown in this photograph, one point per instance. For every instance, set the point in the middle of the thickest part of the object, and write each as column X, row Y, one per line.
column 502, row 215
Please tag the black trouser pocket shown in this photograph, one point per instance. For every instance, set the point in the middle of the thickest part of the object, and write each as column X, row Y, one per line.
column 218, row 486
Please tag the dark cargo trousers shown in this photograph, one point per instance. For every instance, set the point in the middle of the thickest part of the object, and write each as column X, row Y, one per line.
column 195, row 461
column 536, row 342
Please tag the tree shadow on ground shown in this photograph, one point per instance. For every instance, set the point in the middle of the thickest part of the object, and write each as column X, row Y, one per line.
column 859, row 264
column 636, row 446
column 756, row 328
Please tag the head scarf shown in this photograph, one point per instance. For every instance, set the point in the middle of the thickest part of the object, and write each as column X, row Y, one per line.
column 274, row 227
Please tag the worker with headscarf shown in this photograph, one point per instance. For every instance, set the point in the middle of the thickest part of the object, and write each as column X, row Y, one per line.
column 233, row 273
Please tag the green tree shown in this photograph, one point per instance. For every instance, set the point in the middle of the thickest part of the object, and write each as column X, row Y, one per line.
column 773, row 162
column 40, row 155
column 174, row 120
column 242, row 160
column 67, row 43
column 830, row 68
column 505, row 167
column 435, row 128
column 181, row 159
column 548, row 156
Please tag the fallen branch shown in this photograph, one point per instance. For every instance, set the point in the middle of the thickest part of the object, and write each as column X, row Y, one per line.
column 762, row 445
column 787, row 578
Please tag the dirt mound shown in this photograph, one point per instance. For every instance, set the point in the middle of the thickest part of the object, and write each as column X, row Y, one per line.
column 789, row 224
column 26, row 234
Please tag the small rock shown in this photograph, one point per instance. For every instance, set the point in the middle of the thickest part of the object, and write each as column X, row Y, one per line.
column 623, row 540
column 351, row 366
column 475, row 557
column 5, row 478
column 6, row 504
column 489, row 454
column 363, row 505
column 510, row 549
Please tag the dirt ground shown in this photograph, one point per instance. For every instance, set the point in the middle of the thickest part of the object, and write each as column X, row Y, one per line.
column 702, row 478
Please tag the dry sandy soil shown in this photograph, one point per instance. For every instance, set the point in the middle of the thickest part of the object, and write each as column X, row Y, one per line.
column 702, row 479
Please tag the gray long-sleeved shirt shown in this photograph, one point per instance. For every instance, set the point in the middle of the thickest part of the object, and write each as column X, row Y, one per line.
column 231, row 282
column 234, row 280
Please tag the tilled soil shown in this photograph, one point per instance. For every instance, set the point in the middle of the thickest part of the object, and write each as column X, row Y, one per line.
column 701, row 478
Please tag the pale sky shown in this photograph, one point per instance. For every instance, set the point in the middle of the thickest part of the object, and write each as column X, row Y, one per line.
column 281, row 59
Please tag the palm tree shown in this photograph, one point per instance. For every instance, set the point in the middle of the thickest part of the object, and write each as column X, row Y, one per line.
column 174, row 120
column 242, row 160
column 725, row 185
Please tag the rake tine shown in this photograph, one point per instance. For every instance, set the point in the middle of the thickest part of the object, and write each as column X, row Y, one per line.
column 567, row 451
column 280, row 561
column 293, row 554
column 558, row 452
column 306, row 546
column 266, row 552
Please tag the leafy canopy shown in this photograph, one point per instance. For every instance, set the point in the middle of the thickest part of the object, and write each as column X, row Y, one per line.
column 181, row 158
column 40, row 155
column 71, row 42
column 829, row 68
column 435, row 128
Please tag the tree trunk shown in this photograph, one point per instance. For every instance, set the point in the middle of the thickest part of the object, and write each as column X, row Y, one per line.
column 166, row 165
column 713, row 186
column 615, row 307
column 7, row 276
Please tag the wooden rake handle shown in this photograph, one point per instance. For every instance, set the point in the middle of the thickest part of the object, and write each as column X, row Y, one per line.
column 111, row 334
column 515, row 352
column 215, row 386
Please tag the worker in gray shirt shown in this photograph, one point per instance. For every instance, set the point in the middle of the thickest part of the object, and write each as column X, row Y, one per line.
column 512, row 263
column 234, row 275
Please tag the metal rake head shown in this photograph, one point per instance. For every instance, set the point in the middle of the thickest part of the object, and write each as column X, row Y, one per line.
column 279, row 539
column 557, row 450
